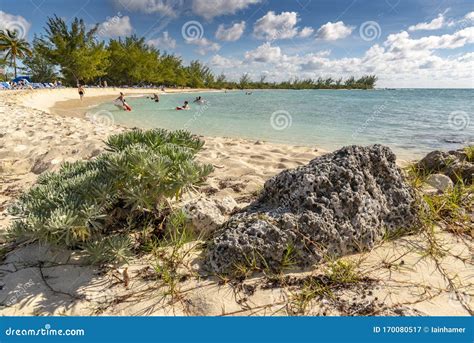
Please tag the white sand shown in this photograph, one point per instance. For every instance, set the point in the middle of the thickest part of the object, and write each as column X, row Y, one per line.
column 400, row 279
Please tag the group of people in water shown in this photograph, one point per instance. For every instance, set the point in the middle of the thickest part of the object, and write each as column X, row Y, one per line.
column 121, row 102
column 198, row 100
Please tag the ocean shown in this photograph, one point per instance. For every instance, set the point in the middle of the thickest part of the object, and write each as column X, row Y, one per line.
column 410, row 121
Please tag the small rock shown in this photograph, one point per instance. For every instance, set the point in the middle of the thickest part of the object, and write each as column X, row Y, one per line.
column 227, row 205
column 207, row 215
column 40, row 166
column 258, row 143
column 440, row 182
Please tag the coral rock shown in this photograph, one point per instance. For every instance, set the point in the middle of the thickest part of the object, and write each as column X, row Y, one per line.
column 339, row 203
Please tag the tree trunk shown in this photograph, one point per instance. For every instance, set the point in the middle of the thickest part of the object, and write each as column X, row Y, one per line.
column 14, row 64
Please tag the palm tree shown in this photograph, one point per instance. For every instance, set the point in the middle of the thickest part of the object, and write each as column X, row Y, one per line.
column 13, row 47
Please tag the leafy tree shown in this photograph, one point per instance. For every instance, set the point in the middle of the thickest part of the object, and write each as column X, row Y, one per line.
column 199, row 75
column 75, row 50
column 132, row 61
column 13, row 47
column 172, row 71
column 244, row 81
column 39, row 68
column 220, row 81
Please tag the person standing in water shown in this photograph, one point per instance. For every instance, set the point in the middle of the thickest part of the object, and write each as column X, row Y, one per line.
column 121, row 98
column 81, row 91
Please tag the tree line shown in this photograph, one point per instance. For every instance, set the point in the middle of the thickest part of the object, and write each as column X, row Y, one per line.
column 75, row 55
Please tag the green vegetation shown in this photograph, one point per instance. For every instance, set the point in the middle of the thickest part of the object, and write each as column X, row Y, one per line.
column 172, row 252
column 343, row 271
column 80, row 56
column 95, row 205
column 451, row 209
column 337, row 274
column 75, row 50
column 469, row 151
column 39, row 68
column 13, row 47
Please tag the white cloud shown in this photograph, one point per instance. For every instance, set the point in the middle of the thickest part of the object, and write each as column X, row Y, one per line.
column 219, row 61
column 115, row 27
column 264, row 53
column 469, row 16
column 204, row 45
column 164, row 42
column 14, row 23
column 164, row 7
column 402, row 43
column 401, row 61
column 209, row 9
column 232, row 33
column 435, row 24
column 334, row 31
column 306, row 32
column 276, row 26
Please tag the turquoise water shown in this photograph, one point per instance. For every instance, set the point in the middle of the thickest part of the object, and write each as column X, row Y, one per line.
column 410, row 121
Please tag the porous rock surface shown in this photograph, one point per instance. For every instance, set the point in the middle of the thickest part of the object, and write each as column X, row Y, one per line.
column 339, row 203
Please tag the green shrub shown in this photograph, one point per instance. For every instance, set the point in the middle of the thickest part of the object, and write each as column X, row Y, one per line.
column 94, row 204
column 469, row 151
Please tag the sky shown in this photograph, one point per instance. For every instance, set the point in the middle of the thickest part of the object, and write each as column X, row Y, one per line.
column 406, row 43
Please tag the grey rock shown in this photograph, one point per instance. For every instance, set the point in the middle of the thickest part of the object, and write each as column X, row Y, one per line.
column 226, row 205
column 454, row 164
column 339, row 203
column 440, row 182
column 40, row 165
column 206, row 215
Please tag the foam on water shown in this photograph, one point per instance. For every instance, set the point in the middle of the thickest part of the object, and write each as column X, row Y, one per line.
column 410, row 121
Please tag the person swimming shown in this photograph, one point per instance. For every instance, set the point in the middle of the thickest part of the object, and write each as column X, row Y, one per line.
column 155, row 97
column 184, row 107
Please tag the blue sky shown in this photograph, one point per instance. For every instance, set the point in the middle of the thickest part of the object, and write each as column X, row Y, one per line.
column 407, row 43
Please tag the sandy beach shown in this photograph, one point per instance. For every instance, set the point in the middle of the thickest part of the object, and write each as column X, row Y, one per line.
column 41, row 129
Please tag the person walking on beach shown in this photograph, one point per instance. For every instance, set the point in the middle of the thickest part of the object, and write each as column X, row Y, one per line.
column 81, row 91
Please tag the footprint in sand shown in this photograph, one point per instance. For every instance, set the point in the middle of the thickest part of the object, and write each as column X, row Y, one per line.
column 257, row 157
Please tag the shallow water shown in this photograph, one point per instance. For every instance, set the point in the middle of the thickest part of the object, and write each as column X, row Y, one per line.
column 410, row 121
